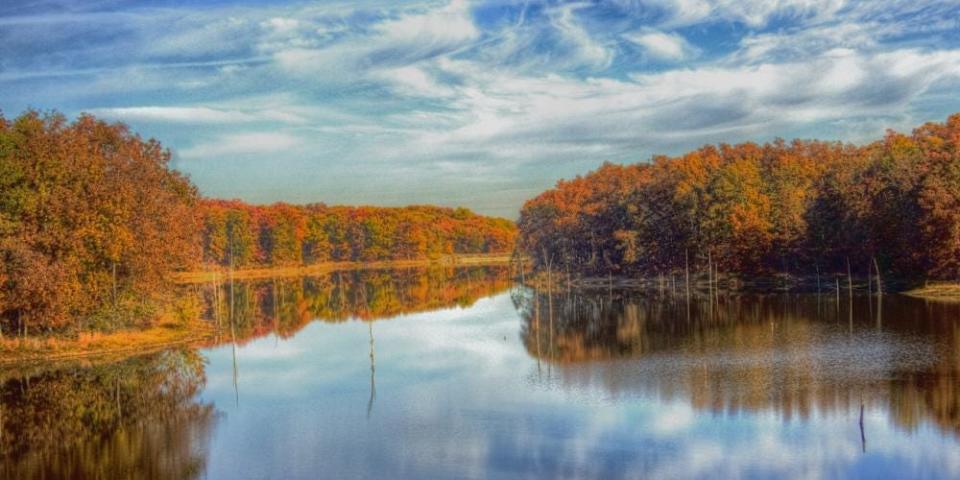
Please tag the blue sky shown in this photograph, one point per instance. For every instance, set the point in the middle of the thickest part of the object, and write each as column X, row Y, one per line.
column 480, row 104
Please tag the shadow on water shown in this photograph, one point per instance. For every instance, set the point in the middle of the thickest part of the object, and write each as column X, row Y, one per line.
column 792, row 354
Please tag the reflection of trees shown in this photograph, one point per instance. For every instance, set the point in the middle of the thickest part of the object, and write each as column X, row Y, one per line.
column 794, row 354
column 284, row 306
column 136, row 419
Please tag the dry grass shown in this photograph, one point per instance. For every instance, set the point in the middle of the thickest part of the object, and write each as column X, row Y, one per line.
column 164, row 334
column 87, row 345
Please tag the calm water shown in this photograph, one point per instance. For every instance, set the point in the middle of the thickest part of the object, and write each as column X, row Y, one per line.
column 459, row 374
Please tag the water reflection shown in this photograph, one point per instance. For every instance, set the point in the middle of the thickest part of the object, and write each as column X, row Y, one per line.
column 135, row 419
column 143, row 417
column 470, row 378
column 793, row 354
column 250, row 309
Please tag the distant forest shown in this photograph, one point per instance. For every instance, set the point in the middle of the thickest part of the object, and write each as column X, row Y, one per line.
column 239, row 234
column 800, row 208
column 93, row 222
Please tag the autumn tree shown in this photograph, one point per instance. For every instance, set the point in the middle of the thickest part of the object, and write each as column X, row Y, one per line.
column 92, row 221
column 802, row 206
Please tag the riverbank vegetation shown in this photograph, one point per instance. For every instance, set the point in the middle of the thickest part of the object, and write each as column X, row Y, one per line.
column 240, row 310
column 94, row 225
column 807, row 208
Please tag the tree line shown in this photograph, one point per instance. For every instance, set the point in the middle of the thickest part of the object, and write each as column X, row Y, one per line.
column 93, row 222
column 239, row 234
column 802, row 207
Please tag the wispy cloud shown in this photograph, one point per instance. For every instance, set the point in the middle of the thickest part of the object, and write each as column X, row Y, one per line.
column 196, row 115
column 250, row 143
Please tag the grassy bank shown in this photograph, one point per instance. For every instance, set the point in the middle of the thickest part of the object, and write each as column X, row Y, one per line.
column 204, row 276
column 177, row 322
column 102, row 346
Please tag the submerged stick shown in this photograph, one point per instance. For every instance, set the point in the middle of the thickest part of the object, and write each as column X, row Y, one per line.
column 849, row 279
column 818, row 279
column 879, row 283
column 837, row 278
column 863, row 437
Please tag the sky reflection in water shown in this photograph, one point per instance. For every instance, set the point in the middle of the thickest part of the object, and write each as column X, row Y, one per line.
column 482, row 380
column 459, row 393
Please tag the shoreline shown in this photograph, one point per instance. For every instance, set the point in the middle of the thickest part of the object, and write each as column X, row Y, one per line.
column 460, row 260
column 771, row 284
column 96, row 346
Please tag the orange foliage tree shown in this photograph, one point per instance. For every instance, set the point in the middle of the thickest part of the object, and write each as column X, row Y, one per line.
column 802, row 206
column 91, row 221
column 283, row 234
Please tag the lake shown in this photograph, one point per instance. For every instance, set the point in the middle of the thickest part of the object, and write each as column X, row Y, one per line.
column 459, row 373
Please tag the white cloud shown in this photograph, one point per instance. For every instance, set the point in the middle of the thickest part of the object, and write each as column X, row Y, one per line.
column 511, row 118
column 283, row 25
column 196, row 115
column 249, row 143
column 661, row 45
column 446, row 27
